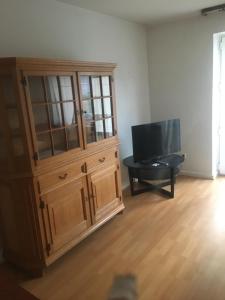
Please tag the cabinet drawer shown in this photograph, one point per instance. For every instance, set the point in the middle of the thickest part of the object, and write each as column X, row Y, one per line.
column 101, row 159
column 61, row 176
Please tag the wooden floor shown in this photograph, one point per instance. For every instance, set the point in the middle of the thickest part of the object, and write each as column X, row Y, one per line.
column 175, row 247
column 9, row 288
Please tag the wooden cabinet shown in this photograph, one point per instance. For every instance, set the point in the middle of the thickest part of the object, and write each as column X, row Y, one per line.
column 59, row 148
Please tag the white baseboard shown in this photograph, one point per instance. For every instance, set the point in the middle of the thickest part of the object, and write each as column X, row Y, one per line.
column 197, row 174
column 221, row 171
column 125, row 186
column 185, row 173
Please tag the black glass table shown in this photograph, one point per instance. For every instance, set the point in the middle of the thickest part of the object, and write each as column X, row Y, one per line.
column 164, row 170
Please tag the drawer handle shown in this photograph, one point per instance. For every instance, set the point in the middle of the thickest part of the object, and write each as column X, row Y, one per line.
column 101, row 160
column 63, row 176
column 83, row 168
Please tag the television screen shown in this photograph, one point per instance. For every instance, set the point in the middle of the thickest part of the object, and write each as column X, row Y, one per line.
column 156, row 140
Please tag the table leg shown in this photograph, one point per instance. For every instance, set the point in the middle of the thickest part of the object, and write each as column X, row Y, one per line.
column 131, row 182
column 172, row 182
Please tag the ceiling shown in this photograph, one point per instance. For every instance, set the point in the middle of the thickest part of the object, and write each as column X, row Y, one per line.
column 146, row 11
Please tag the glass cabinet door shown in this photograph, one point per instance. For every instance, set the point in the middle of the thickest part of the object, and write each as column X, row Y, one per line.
column 12, row 116
column 13, row 151
column 97, row 106
column 54, row 105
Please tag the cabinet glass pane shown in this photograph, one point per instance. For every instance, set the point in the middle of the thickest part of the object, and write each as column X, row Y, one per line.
column 52, row 89
column 96, row 86
column 108, row 128
column 3, row 153
column 36, row 87
column 59, row 141
column 8, row 90
column 72, row 137
column 17, row 146
column 90, row 132
column 40, row 117
column 13, row 122
column 13, row 119
column 99, row 130
column 87, row 109
column 69, row 113
column 55, row 115
column 85, row 86
column 105, row 86
column 44, row 145
column 107, row 107
column 55, row 118
column 66, row 88
column 98, row 108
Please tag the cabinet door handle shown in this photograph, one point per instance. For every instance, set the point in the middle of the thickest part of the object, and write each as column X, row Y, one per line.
column 101, row 160
column 63, row 176
column 83, row 168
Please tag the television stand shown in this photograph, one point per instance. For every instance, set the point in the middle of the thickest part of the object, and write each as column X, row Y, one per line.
column 164, row 169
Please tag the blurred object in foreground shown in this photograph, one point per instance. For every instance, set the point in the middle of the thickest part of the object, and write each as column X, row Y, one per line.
column 124, row 288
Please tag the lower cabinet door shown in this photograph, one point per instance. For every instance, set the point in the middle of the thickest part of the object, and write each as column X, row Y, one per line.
column 105, row 191
column 66, row 213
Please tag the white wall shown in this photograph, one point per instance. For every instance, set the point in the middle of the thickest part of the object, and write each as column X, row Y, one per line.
column 219, row 97
column 47, row 28
column 216, row 103
column 181, row 82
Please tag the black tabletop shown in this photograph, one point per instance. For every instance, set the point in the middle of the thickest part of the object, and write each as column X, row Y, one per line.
column 172, row 161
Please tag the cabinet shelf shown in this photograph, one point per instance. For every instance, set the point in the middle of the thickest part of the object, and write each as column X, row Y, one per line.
column 96, row 98
column 43, row 102
column 41, row 129
column 98, row 118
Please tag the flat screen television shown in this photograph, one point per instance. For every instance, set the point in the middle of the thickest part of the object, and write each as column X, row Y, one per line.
column 155, row 140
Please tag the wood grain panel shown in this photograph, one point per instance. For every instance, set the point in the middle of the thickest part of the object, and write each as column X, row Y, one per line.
column 18, row 211
column 61, row 176
column 104, row 189
column 101, row 159
column 67, row 213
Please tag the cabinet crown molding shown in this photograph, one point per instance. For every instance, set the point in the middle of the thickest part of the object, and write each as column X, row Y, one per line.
column 28, row 61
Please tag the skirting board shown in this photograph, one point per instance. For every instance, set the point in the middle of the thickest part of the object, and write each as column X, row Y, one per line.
column 125, row 186
column 197, row 174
